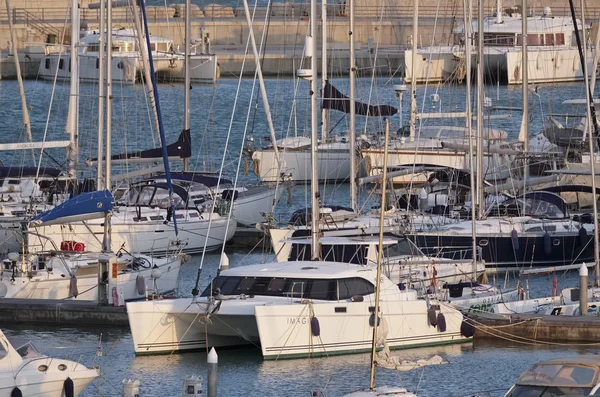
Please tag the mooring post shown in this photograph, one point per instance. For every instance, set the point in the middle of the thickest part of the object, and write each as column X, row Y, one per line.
column 583, row 289
column 213, row 361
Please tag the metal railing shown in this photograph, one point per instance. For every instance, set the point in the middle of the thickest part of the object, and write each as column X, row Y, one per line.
column 45, row 16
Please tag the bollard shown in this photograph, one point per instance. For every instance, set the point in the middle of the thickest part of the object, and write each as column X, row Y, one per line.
column 583, row 290
column 131, row 388
column 213, row 361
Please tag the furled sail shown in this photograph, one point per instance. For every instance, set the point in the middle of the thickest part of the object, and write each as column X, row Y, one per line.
column 334, row 99
column 182, row 148
column 92, row 205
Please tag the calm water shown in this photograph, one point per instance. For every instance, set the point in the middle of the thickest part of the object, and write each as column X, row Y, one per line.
column 473, row 368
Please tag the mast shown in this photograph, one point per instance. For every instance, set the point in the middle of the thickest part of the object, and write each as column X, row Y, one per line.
column 352, row 137
column 101, row 82
column 73, row 115
column 161, row 129
column 590, row 100
column 187, row 82
column 109, row 98
column 324, row 112
column 379, row 256
column 468, row 32
column 314, row 183
column 525, row 84
column 413, row 79
column 480, row 94
column 24, row 110
column 591, row 106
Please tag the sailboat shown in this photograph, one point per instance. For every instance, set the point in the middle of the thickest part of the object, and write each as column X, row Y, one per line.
column 125, row 274
column 24, row 371
column 291, row 309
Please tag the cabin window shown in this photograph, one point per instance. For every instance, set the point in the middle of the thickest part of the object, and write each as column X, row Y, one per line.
column 156, row 218
column 483, row 243
column 179, row 216
column 97, row 63
column 193, row 215
column 13, row 181
column 47, row 64
column 559, row 39
column 354, row 286
column 277, row 286
column 296, row 288
column 549, row 39
column 141, row 219
column 69, row 65
column 323, row 290
column 61, row 63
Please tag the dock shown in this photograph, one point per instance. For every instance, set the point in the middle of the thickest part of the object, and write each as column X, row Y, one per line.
column 61, row 312
column 536, row 328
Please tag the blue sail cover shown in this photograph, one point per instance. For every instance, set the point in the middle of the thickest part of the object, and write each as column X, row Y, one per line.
column 85, row 206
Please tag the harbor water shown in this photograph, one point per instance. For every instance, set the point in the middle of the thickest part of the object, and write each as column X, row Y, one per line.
column 478, row 368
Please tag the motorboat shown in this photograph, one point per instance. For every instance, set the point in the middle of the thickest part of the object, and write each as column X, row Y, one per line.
column 127, row 65
column 569, row 376
column 24, row 371
column 552, row 53
column 291, row 309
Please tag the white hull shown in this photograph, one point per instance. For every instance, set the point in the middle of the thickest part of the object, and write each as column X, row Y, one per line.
column 128, row 69
column 56, row 284
column 203, row 68
column 252, row 203
column 147, row 237
column 25, row 374
column 282, row 330
column 333, row 161
column 124, row 69
column 285, row 330
column 545, row 64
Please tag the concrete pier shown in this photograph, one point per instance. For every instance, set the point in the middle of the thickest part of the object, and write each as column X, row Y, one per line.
column 533, row 327
column 388, row 29
column 61, row 312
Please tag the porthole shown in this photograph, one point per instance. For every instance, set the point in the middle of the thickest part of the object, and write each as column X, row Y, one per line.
column 556, row 242
column 62, row 367
column 483, row 243
column 43, row 368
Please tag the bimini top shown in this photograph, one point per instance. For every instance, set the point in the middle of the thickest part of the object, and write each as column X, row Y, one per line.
column 573, row 372
column 92, row 205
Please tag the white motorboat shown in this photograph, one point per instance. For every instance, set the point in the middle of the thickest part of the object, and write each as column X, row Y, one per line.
column 290, row 309
column 127, row 62
column 26, row 372
column 552, row 53
column 569, row 376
